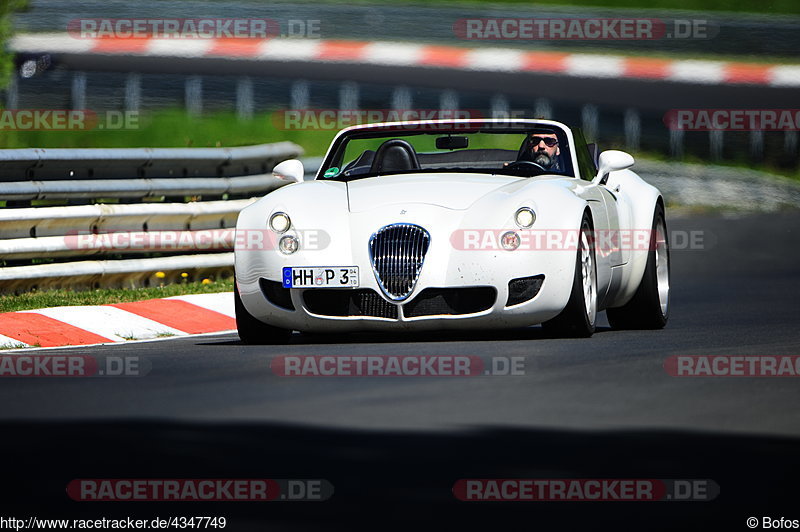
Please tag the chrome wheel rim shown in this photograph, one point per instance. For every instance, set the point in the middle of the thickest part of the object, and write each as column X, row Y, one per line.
column 588, row 276
column 662, row 266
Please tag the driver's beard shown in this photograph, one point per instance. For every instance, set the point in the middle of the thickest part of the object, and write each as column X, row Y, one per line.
column 543, row 159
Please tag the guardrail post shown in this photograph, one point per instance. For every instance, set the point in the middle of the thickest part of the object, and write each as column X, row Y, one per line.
column 757, row 144
column 448, row 100
column 715, row 142
column 401, row 98
column 499, row 106
column 348, row 96
column 78, row 93
column 542, row 108
column 244, row 98
column 633, row 130
column 676, row 143
column 12, row 93
column 194, row 95
column 133, row 92
column 298, row 95
column 589, row 121
column 790, row 143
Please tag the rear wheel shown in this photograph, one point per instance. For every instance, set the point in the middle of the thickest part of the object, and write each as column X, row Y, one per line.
column 577, row 320
column 649, row 307
column 253, row 331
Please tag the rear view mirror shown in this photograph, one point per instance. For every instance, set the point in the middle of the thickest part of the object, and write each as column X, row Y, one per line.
column 291, row 170
column 611, row 161
column 452, row 143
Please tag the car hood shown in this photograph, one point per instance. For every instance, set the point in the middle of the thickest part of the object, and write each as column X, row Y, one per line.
column 451, row 191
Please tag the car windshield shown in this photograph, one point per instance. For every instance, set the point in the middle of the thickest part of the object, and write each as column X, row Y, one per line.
column 521, row 152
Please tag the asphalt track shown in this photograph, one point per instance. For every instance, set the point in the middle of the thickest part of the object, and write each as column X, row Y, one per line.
column 393, row 446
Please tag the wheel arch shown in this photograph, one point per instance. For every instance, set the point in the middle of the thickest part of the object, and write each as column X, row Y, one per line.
column 643, row 208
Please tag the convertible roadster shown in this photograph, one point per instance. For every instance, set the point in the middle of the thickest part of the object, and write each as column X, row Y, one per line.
column 467, row 224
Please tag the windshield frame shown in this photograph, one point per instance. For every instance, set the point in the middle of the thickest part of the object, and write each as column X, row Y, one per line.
column 444, row 127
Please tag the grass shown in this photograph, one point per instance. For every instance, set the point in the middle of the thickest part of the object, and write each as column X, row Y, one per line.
column 68, row 297
column 173, row 128
column 767, row 167
column 768, row 7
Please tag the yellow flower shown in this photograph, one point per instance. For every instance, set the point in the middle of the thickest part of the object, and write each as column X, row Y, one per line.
column 161, row 275
column 184, row 275
column 206, row 281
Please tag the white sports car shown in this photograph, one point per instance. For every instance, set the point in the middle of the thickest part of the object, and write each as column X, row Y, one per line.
column 454, row 224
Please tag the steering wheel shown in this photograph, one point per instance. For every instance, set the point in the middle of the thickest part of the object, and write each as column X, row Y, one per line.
column 520, row 163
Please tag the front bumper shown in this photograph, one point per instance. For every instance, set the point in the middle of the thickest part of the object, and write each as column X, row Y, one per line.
column 431, row 308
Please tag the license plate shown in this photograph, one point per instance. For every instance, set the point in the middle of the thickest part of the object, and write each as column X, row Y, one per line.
column 321, row 277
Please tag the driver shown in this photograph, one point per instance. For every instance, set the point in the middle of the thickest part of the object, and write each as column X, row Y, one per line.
column 542, row 148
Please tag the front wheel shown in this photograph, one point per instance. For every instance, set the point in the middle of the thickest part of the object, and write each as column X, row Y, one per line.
column 649, row 307
column 253, row 331
column 577, row 320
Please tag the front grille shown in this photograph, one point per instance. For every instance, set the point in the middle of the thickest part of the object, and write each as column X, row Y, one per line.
column 334, row 302
column 276, row 293
column 397, row 252
column 432, row 301
column 523, row 289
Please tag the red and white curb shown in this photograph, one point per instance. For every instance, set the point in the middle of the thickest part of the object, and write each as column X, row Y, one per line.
column 119, row 322
column 489, row 59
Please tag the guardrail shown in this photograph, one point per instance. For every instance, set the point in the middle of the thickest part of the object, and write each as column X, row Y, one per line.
column 59, row 246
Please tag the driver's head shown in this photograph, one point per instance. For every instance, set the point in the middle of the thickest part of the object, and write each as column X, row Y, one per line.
column 543, row 146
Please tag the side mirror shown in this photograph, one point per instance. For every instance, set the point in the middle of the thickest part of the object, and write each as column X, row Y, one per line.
column 291, row 170
column 610, row 161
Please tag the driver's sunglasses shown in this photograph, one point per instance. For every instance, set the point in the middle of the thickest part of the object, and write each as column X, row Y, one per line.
column 548, row 141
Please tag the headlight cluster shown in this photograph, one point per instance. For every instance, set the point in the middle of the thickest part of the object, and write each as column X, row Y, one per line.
column 288, row 244
column 280, row 223
column 510, row 241
column 525, row 217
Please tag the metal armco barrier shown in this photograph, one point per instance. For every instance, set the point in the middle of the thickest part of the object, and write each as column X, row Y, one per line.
column 125, row 244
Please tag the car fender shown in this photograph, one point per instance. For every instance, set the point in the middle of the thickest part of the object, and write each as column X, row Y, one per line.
column 559, row 210
column 640, row 199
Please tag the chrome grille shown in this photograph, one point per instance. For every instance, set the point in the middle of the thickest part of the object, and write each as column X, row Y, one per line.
column 397, row 252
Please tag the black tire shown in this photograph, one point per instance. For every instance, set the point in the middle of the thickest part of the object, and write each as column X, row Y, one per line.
column 646, row 310
column 253, row 331
column 575, row 321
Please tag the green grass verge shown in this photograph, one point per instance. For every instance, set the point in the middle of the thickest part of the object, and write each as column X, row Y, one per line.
column 769, row 7
column 175, row 129
column 64, row 297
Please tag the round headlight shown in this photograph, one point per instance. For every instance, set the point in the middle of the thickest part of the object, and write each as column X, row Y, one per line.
column 525, row 217
column 280, row 222
column 288, row 244
column 510, row 241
